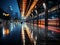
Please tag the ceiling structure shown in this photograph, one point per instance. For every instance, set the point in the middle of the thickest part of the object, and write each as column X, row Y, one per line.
column 27, row 6
column 32, row 8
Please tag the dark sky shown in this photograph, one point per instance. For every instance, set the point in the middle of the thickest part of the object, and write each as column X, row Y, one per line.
column 4, row 4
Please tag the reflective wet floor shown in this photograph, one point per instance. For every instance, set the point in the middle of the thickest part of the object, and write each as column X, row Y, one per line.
column 15, row 33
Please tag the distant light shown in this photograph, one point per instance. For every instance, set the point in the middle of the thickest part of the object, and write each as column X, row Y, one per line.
column 53, row 17
column 44, row 5
column 23, row 17
column 11, row 7
column 36, row 11
column 11, row 27
column 35, row 6
column 5, row 14
column 6, row 31
column 52, row 32
column 3, row 31
column 32, row 14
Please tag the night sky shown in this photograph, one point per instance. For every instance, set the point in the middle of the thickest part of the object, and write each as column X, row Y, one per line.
column 4, row 4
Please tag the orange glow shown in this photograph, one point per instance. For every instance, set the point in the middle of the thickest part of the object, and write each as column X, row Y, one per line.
column 55, row 29
column 5, row 14
column 31, row 8
column 49, row 23
column 23, row 7
column 53, row 22
column 6, row 31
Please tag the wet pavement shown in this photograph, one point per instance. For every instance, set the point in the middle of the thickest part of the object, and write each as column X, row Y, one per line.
column 15, row 33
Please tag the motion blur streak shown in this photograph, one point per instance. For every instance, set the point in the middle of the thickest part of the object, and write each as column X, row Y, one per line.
column 24, row 2
column 23, row 35
column 30, row 36
column 31, row 8
column 55, row 29
column 50, row 10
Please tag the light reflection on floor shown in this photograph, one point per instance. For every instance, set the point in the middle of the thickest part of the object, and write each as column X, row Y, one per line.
column 9, row 29
column 28, row 31
column 19, row 32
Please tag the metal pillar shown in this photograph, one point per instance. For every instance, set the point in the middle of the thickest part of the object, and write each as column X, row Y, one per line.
column 46, row 21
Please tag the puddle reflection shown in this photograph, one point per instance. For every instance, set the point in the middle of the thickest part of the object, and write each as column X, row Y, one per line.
column 26, row 29
column 6, row 31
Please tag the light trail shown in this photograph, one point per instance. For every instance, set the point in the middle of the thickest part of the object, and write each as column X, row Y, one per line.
column 24, row 2
column 55, row 29
column 31, row 8
column 28, row 31
column 53, row 23
column 50, row 10
column 28, row 7
column 23, row 35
